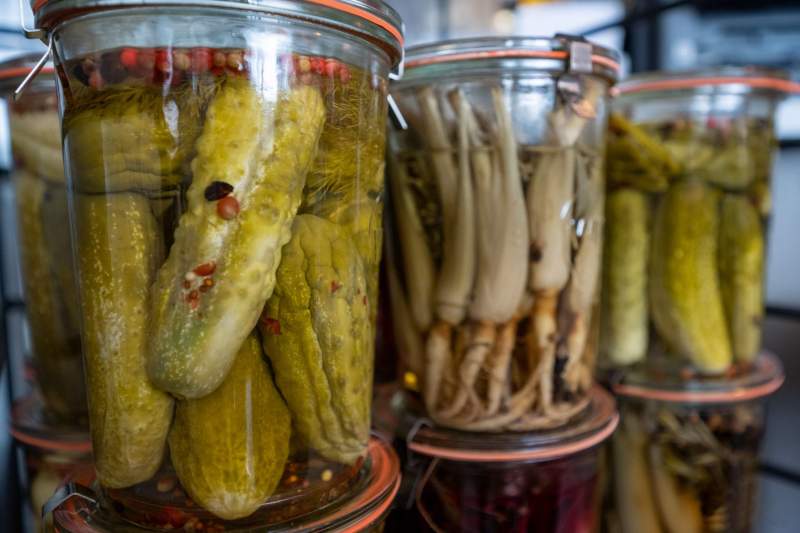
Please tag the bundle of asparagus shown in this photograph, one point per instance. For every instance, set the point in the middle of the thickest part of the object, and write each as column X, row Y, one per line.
column 502, row 303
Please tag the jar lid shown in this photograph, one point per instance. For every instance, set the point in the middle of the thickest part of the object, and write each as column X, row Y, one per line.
column 75, row 507
column 558, row 54
column 590, row 428
column 661, row 382
column 370, row 19
column 738, row 80
column 14, row 70
column 31, row 427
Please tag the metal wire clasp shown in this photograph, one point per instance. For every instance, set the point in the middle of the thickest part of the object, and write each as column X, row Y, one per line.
column 33, row 33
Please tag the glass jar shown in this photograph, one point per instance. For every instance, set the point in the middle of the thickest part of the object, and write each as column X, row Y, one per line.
column 546, row 481
column 226, row 193
column 689, row 163
column 685, row 457
column 51, row 300
column 78, row 508
column 45, row 465
column 496, row 190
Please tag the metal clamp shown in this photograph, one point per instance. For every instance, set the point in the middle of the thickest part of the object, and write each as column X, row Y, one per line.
column 33, row 33
column 66, row 493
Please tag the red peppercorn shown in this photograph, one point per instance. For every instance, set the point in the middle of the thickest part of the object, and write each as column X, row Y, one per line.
column 163, row 60
column 146, row 60
column 206, row 269
column 228, row 207
column 129, row 57
column 318, row 65
column 331, row 67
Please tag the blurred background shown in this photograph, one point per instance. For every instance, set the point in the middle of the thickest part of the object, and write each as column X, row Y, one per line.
column 653, row 35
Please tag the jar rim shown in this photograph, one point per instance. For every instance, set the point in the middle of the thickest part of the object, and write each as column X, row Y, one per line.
column 359, row 513
column 29, row 427
column 14, row 70
column 373, row 19
column 740, row 79
column 560, row 48
column 589, row 429
column 761, row 379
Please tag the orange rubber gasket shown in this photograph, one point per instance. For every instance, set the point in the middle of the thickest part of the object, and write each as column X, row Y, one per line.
column 776, row 84
column 47, row 444
column 540, row 453
column 492, row 54
column 333, row 4
column 701, row 397
column 17, row 72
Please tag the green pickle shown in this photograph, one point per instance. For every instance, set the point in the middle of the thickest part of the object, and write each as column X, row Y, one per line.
column 229, row 447
column 193, row 342
column 317, row 334
column 685, row 296
column 741, row 267
column 119, row 250
column 51, row 301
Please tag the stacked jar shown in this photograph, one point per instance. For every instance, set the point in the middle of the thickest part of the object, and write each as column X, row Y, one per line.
column 48, row 415
column 226, row 196
column 687, row 207
column 494, row 247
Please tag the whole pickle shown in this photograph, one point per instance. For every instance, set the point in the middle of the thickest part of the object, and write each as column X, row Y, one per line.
column 685, row 297
column 633, row 492
column 50, row 300
column 36, row 143
column 119, row 250
column 221, row 269
column 624, row 319
column 229, row 448
column 636, row 158
column 317, row 333
column 133, row 138
column 741, row 269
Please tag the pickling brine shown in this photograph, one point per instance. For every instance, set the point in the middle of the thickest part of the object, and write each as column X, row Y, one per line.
column 227, row 204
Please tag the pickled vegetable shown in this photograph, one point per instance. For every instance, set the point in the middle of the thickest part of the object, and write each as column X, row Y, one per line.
column 685, row 295
column 119, row 249
column 229, row 447
column 624, row 320
column 741, row 265
column 36, row 143
column 195, row 334
column 316, row 332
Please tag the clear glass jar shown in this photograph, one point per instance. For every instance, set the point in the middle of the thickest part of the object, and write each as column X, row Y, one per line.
column 226, row 193
column 77, row 508
column 685, row 457
column 688, row 174
column 538, row 482
column 494, row 249
column 51, row 300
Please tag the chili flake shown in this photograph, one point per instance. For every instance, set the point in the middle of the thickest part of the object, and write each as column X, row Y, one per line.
column 335, row 286
column 272, row 325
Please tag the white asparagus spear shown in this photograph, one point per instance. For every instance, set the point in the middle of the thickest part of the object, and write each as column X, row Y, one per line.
column 417, row 260
column 407, row 338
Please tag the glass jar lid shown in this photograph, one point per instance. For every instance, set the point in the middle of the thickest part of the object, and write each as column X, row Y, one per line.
column 588, row 429
column 30, row 426
column 726, row 80
column 76, row 507
column 372, row 20
column 662, row 382
column 556, row 55
column 14, row 70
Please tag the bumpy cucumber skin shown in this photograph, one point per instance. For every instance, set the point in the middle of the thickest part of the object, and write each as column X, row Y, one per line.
column 685, row 296
column 230, row 447
column 50, row 298
column 741, row 268
column 624, row 319
column 318, row 335
column 36, row 143
column 127, row 139
column 265, row 158
column 119, row 250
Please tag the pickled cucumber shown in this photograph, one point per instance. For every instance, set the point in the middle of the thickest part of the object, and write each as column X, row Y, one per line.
column 50, row 299
column 624, row 319
column 263, row 151
column 636, row 158
column 118, row 253
column 685, row 297
column 741, row 268
column 229, row 447
column 36, row 144
column 317, row 333
column 133, row 138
